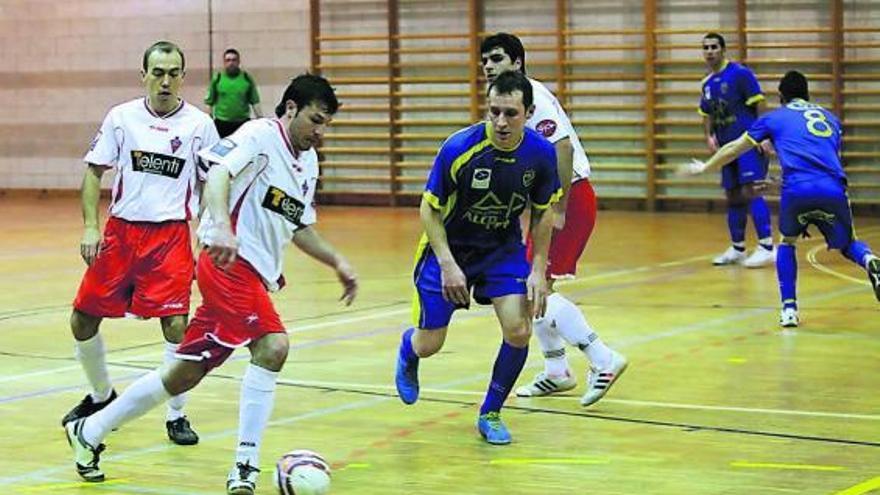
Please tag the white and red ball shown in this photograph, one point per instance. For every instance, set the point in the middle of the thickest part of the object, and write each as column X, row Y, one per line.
column 302, row 472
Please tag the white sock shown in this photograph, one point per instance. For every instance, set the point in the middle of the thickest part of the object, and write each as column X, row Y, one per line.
column 552, row 346
column 573, row 326
column 144, row 394
column 767, row 241
column 254, row 409
column 91, row 355
column 176, row 403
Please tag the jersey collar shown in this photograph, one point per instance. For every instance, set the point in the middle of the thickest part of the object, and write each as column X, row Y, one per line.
column 723, row 66
column 167, row 115
column 284, row 137
column 490, row 133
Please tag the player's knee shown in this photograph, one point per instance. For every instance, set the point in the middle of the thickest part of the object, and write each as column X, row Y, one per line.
column 789, row 240
column 270, row 352
column 83, row 326
column 427, row 343
column 182, row 376
column 518, row 335
column 173, row 327
column 736, row 197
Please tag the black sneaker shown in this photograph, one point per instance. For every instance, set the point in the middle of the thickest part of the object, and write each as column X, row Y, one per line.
column 242, row 479
column 873, row 266
column 86, row 408
column 180, row 432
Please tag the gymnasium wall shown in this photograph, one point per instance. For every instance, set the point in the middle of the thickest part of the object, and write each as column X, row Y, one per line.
column 65, row 63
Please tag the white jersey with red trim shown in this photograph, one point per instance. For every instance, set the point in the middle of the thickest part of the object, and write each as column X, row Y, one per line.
column 154, row 157
column 271, row 195
column 551, row 121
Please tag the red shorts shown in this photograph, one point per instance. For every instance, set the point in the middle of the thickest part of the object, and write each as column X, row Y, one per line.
column 236, row 310
column 142, row 268
column 568, row 244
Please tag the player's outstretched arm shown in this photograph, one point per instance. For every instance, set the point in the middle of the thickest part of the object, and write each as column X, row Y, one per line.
column 729, row 152
column 310, row 242
column 452, row 277
column 540, row 228
column 222, row 244
column 90, row 194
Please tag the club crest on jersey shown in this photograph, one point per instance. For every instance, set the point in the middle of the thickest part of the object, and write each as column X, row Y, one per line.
column 528, row 178
column 95, row 141
column 223, row 147
column 278, row 201
column 175, row 144
column 156, row 164
column 482, row 178
column 546, row 127
column 724, row 88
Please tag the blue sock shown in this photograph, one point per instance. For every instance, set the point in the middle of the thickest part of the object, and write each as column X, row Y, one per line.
column 508, row 365
column 856, row 252
column 406, row 349
column 761, row 217
column 786, row 272
column 737, row 217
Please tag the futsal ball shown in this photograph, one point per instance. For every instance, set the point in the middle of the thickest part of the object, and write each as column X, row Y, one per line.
column 302, row 472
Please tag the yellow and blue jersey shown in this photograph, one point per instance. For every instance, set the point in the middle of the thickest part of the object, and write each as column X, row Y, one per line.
column 807, row 139
column 728, row 99
column 482, row 190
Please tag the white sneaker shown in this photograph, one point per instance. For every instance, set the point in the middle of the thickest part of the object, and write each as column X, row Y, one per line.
column 599, row 381
column 760, row 257
column 86, row 456
column 788, row 318
column 732, row 256
column 544, row 385
column 242, row 479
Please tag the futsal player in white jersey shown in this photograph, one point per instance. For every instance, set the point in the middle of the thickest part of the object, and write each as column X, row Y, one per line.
column 258, row 194
column 143, row 263
column 576, row 217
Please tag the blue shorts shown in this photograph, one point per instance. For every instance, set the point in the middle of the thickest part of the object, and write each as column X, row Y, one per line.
column 822, row 203
column 751, row 166
column 494, row 274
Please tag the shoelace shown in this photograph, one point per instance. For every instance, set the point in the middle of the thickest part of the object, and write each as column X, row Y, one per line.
column 494, row 420
column 96, row 456
column 245, row 470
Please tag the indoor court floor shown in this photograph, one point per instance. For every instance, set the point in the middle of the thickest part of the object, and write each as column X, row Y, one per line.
column 716, row 400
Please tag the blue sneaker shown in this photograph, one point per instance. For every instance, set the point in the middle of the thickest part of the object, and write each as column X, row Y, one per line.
column 407, row 378
column 492, row 428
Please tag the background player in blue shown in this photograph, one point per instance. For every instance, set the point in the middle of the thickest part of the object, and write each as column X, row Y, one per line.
column 483, row 178
column 730, row 103
column 807, row 140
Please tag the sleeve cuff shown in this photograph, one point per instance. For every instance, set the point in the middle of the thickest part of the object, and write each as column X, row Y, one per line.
column 432, row 200
column 751, row 139
column 554, row 198
column 755, row 99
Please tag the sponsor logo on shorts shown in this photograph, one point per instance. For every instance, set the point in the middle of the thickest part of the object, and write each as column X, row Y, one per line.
column 251, row 319
column 172, row 306
column 482, row 178
column 546, row 127
column 223, row 147
column 278, row 201
column 156, row 163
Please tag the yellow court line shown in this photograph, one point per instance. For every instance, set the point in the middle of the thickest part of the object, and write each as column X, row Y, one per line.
column 774, row 465
column 575, row 460
column 46, row 487
column 811, row 258
column 863, row 487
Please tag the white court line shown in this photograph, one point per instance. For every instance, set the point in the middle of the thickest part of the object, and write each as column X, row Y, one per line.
column 159, row 447
column 341, row 321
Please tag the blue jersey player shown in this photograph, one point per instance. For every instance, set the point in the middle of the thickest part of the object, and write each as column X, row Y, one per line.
column 807, row 140
column 484, row 177
column 730, row 103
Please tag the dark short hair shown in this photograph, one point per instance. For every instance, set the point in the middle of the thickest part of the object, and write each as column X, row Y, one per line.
column 511, row 45
column 508, row 82
column 306, row 89
column 794, row 85
column 233, row 51
column 166, row 47
column 717, row 37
